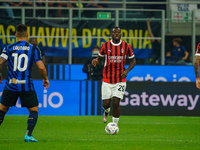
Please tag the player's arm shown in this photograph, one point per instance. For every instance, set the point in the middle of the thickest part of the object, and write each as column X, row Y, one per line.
column 130, row 67
column 43, row 72
column 196, row 70
column 186, row 55
column 43, row 59
column 149, row 30
column 2, row 60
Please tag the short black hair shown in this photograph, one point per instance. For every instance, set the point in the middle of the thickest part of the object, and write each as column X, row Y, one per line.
column 178, row 40
column 32, row 39
column 95, row 46
column 21, row 30
column 115, row 28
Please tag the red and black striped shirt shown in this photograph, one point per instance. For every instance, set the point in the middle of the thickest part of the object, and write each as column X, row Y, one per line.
column 198, row 50
column 115, row 60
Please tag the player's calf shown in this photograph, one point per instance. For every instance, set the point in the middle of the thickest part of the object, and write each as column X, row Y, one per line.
column 106, row 107
column 3, row 110
column 32, row 120
column 2, row 114
column 116, row 110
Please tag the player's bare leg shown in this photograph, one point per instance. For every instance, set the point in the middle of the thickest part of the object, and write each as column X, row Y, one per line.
column 32, row 120
column 116, row 110
column 106, row 107
column 3, row 110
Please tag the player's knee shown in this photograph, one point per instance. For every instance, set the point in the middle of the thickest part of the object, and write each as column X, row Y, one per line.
column 106, row 104
column 4, row 108
column 33, row 109
column 116, row 102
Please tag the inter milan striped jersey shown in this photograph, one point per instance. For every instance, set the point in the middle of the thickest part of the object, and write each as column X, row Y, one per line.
column 20, row 57
column 115, row 60
column 198, row 50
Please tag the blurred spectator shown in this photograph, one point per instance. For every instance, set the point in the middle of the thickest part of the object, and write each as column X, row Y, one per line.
column 156, row 43
column 9, row 11
column 16, row 4
column 153, row 6
column 91, row 4
column 33, row 41
column 30, row 3
column 96, row 5
column 179, row 54
column 93, row 73
column 70, row 4
column 59, row 5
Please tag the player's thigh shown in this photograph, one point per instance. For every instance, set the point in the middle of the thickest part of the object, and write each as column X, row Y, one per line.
column 106, row 91
column 29, row 99
column 9, row 98
column 119, row 90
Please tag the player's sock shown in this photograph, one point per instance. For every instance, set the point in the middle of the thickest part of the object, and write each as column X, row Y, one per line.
column 107, row 110
column 32, row 120
column 2, row 114
column 115, row 120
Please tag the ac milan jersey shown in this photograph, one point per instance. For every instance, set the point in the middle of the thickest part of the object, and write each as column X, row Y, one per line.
column 20, row 57
column 115, row 60
column 198, row 50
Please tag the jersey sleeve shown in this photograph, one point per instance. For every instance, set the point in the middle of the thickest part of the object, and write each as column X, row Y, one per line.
column 102, row 50
column 129, row 52
column 198, row 50
column 42, row 51
column 38, row 54
column 183, row 48
column 4, row 53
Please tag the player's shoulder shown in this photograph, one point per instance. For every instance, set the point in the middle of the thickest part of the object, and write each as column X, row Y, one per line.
column 11, row 45
column 30, row 44
column 106, row 42
column 103, row 45
column 125, row 43
column 198, row 45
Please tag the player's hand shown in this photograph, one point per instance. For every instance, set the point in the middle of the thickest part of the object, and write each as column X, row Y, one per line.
column 184, row 58
column 1, row 78
column 124, row 74
column 94, row 62
column 148, row 20
column 198, row 83
column 46, row 83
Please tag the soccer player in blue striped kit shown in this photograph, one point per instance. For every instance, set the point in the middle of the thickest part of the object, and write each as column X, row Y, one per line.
column 20, row 57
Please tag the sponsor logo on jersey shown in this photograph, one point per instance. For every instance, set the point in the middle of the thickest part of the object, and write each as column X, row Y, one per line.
column 16, row 81
column 115, row 59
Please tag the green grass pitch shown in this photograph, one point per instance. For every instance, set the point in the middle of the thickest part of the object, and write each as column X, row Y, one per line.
column 88, row 133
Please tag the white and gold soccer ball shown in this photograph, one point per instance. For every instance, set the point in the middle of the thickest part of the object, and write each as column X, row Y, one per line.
column 112, row 128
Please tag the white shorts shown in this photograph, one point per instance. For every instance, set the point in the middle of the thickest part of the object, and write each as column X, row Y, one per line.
column 113, row 90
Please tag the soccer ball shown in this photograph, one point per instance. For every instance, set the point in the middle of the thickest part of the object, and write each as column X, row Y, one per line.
column 112, row 128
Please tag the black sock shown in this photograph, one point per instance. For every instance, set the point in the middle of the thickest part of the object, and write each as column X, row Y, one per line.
column 2, row 114
column 32, row 120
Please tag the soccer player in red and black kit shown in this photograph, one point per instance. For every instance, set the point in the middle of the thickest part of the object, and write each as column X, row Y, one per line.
column 114, row 73
column 196, row 66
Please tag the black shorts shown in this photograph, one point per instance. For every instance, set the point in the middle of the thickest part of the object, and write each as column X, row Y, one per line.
column 28, row 98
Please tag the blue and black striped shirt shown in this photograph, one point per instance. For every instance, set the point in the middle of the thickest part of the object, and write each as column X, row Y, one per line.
column 20, row 57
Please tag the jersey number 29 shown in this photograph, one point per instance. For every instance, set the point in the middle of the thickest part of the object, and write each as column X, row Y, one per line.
column 18, row 61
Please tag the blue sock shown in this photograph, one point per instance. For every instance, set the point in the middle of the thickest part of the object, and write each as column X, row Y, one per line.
column 32, row 120
column 2, row 114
